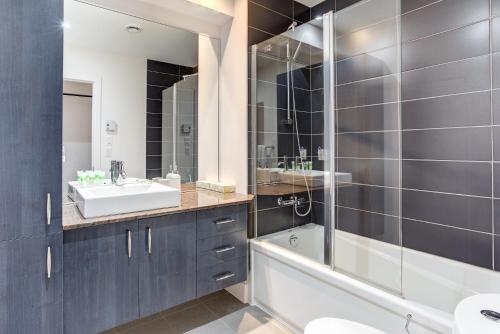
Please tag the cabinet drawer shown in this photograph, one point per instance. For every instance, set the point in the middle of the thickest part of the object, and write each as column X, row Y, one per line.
column 221, row 220
column 215, row 250
column 218, row 277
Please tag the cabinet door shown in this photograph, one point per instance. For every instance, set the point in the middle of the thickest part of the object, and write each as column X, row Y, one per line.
column 167, row 267
column 30, row 295
column 100, row 277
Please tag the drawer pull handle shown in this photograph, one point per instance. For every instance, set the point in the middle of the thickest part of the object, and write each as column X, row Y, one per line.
column 49, row 209
column 224, row 249
column 129, row 243
column 49, row 262
column 224, row 277
column 149, row 240
column 224, row 221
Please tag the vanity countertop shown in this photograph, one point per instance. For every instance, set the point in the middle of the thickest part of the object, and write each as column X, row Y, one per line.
column 192, row 199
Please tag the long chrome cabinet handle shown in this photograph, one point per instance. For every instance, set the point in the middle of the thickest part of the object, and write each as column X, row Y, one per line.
column 49, row 262
column 49, row 209
column 129, row 243
column 224, row 277
column 149, row 240
column 224, row 249
column 224, row 221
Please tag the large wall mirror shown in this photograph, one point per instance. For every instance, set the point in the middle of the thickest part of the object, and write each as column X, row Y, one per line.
column 139, row 92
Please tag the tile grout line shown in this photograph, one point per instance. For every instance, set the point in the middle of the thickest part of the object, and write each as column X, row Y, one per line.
column 492, row 137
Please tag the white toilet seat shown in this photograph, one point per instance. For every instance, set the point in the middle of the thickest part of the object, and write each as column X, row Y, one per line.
column 338, row 326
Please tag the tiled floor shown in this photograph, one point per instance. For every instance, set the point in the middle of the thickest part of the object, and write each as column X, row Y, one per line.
column 219, row 313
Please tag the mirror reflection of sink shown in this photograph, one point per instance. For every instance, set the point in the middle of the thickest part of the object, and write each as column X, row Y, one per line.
column 314, row 178
column 104, row 200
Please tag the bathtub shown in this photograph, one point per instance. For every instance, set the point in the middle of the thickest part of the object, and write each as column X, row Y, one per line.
column 289, row 281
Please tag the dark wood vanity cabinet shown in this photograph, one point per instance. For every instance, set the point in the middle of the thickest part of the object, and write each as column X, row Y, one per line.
column 120, row 272
column 167, row 262
column 101, row 273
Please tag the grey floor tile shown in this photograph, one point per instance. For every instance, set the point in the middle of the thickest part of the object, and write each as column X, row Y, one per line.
column 180, row 307
column 224, row 304
column 214, row 327
column 191, row 318
column 253, row 320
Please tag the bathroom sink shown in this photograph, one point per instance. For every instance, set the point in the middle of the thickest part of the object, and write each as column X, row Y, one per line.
column 104, row 200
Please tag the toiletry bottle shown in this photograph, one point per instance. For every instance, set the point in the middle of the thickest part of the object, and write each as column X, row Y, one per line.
column 173, row 178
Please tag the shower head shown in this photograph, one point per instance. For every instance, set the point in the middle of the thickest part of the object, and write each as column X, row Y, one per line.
column 292, row 26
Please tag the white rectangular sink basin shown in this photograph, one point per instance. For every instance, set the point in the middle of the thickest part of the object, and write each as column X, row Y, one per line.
column 105, row 200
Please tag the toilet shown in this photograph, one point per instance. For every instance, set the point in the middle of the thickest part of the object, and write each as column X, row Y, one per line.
column 479, row 314
column 338, row 326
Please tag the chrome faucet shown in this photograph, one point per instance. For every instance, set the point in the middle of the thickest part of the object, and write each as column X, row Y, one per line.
column 117, row 172
column 284, row 163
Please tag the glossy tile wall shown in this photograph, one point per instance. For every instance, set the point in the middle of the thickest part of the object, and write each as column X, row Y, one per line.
column 160, row 76
column 417, row 128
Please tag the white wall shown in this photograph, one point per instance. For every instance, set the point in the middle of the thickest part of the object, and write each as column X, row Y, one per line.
column 122, row 82
column 208, row 108
column 233, row 100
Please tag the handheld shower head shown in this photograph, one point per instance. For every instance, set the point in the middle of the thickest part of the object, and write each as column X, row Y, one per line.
column 292, row 26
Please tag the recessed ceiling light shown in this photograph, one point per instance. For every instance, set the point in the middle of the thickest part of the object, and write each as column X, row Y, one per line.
column 133, row 28
column 65, row 25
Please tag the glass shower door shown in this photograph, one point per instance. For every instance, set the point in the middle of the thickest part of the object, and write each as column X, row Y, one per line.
column 367, row 49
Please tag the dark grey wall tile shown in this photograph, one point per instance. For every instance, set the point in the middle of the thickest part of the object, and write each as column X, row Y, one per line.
column 317, row 100
column 447, row 111
column 367, row 65
column 452, row 78
column 371, row 225
column 284, row 7
column 255, row 36
column 369, row 198
column 496, row 179
column 382, row 35
column 496, row 143
column 322, row 8
column 153, row 134
column 496, row 225
column 371, row 171
column 266, row 20
column 305, row 142
column 154, row 92
column 470, row 41
column 320, row 212
column 154, row 120
column 442, row 16
column 162, row 79
column 408, row 5
column 158, row 66
column 497, row 253
column 285, row 145
column 150, row 173
column 496, row 106
column 452, row 243
column 342, row 4
column 153, row 148
column 303, row 122
column 372, row 118
column 495, row 34
column 274, row 220
column 467, row 212
column 368, row 145
column 153, row 162
column 317, row 77
column 316, row 142
column 301, row 13
column 495, row 6
column 368, row 92
column 471, row 178
column 448, row 144
column 496, row 70
column 318, row 122
column 268, row 201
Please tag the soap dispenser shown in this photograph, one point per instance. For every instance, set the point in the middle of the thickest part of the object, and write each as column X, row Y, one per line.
column 173, row 178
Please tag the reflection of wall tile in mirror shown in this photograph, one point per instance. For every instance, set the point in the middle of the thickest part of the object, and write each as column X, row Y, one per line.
column 267, row 20
column 317, row 100
column 409, row 5
column 473, row 213
column 256, row 36
column 447, row 111
column 467, row 42
column 368, row 145
column 303, row 122
column 305, row 142
column 284, row 7
column 369, row 198
column 470, row 178
column 371, row 171
column 322, row 8
column 442, row 16
column 153, row 148
column 154, row 106
column 372, row 118
column 317, row 76
column 448, row 144
column 154, row 120
column 318, row 122
column 318, row 213
column 368, row 92
column 153, row 134
column 274, row 220
column 456, row 244
column 451, row 78
column 372, row 225
column 301, row 12
column 316, row 142
column 367, row 65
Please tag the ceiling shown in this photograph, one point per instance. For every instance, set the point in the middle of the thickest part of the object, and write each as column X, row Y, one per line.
column 101, row 29
column 310, row 3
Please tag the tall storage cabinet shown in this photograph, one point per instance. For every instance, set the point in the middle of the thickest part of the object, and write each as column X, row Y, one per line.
column 31, row 59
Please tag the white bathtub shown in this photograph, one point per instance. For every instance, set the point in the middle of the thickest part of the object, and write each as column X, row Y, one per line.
column 290, row 282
